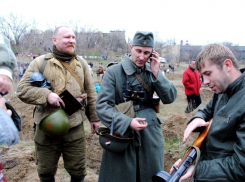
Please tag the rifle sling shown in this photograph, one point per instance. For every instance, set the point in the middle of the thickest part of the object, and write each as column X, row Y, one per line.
column 196, row 161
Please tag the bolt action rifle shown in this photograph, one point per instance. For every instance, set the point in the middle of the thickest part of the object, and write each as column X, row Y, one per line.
column 187, row 160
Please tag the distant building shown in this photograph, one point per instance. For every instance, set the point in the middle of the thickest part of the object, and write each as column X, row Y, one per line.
column 187, row 52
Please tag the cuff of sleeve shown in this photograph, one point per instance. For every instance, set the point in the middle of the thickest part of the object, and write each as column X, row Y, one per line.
column 153, row 76
column 160, row 78
column 45, row 94
column 94, row 119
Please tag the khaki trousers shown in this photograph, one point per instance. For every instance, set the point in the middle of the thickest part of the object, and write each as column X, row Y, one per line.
column 72, row 146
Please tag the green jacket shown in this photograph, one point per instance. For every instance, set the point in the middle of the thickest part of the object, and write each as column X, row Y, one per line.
column 121, row 167
column 223, row 153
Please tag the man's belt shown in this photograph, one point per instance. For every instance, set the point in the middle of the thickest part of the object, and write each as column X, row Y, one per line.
column 140, row 107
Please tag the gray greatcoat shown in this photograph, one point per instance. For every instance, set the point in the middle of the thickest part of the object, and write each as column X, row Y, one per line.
column 121, row 167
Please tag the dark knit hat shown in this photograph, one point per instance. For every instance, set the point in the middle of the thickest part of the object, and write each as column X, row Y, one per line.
column 143, row 39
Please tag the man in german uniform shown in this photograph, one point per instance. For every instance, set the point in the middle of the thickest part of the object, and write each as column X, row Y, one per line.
column 145, row 153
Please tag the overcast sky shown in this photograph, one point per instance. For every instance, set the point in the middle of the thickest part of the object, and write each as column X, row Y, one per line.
column 198, row 21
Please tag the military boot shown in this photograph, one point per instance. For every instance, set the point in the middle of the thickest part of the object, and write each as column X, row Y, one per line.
column 73, row 179
column 50, row 180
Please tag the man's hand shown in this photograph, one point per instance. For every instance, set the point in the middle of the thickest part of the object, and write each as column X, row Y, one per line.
column 155, row 63
column 138, row 124
column 81, row 101
column 188, row 173
column 54, row 100
column 94, row 126
column 3, row 106
column 197, row 122
column 5, row 84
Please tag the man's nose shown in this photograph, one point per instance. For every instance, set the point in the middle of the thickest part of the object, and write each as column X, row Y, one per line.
column 141, row 57
column 72, row 40
column 206, row 81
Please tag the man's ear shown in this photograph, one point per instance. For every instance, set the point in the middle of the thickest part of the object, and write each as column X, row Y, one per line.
column 131, row 47
column 54, row 40
column 227, row 65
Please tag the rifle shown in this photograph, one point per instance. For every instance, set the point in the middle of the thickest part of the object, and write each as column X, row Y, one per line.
column 187, row 160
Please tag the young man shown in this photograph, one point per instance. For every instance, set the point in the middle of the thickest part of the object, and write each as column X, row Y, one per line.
column 223, row 152
column 192, row 83
column 145, row 153
column 73, row 144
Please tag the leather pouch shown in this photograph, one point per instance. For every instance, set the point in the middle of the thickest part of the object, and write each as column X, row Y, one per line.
column 156, row 103
column 126, row 108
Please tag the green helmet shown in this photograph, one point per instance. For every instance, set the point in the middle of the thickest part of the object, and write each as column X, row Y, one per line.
column 113, row 143
column 55, row 124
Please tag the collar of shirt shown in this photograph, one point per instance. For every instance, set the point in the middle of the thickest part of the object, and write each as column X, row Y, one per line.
column 130, row 68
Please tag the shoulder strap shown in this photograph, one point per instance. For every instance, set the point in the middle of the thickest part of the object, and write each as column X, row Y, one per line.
column 73, row 74
column 146, row 87
column 82, row 63
column 46, row 58
column 79, row 59
column 50, row 55
column 123, row 79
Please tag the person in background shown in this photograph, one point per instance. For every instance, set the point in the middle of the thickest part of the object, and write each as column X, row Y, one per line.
column 8, row 130
column 145, row 153
column 108, row 65
column 72, row 145
column 192, row 83
column 97, row 87
column 91, row 71
column 223, row 151
column 8, row 64
column 171, row 67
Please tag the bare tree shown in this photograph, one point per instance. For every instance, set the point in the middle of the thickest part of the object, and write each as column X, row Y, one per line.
column 189, row 52
column 194, row 51
column 114, row 41
column 15, row 27
column 45, row 41
column 158, row 44
column 234, row 48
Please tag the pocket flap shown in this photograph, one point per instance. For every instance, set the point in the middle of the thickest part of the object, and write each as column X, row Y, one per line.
column 125, row 108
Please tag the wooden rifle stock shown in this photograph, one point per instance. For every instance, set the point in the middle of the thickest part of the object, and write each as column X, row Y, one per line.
column 186, row 161
column 198, row 142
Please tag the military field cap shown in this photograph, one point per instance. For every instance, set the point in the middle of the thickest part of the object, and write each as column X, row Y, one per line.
column 144, row 39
